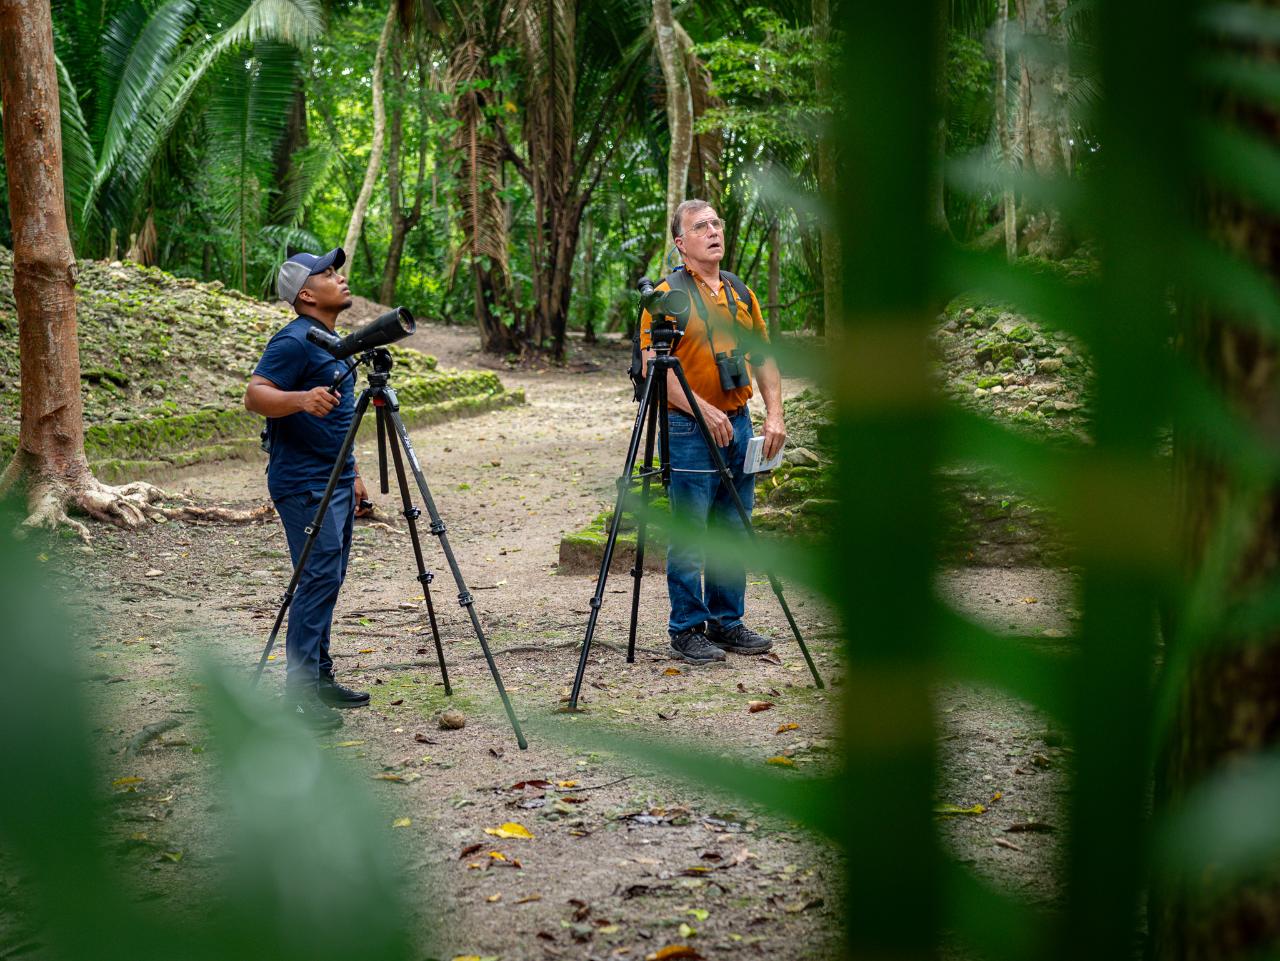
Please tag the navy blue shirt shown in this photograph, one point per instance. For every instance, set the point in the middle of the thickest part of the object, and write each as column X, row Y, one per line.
column 304, row 447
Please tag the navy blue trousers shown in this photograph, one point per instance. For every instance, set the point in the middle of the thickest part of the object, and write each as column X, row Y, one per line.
column 311, row 614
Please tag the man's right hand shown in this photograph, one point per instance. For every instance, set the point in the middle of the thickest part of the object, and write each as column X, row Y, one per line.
column 718, row 423
column 318, row 401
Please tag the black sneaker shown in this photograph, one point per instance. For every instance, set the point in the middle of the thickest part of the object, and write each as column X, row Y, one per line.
column 691, row 647
column 740, row 639
column 313, row 713
column 337, row 695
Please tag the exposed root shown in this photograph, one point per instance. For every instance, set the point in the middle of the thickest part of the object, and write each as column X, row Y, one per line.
column 128, row 506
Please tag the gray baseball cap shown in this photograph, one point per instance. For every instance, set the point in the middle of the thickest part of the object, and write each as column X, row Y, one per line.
column 295, row 271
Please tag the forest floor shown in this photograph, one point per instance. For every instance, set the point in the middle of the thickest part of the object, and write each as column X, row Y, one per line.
column 605, row 874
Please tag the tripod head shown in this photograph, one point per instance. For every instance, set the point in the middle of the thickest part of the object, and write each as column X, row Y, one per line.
column 664, row 334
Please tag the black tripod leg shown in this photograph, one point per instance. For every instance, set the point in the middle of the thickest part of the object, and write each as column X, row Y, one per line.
column 382, row 449
column 642, row 527
column 464, row 596
column 313, row 530
column 411, row 515
column 624, row 484
column 727, row 480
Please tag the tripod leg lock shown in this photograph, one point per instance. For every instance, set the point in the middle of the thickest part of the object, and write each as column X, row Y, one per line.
column 412, row 513
column 426, row 577
column 595, row 603
column 437, row 528
column 465, row 599
column 309, row 530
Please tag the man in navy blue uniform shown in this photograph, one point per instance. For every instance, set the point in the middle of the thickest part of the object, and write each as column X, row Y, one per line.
column 306, row 426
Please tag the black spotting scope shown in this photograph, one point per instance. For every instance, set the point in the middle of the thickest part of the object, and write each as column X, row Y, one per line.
column 672, row 303
column 392, row 326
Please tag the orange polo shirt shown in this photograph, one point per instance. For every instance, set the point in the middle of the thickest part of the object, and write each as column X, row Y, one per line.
column 695, row 350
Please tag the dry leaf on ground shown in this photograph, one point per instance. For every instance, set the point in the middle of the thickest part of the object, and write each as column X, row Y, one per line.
column 755, row 707
column 509, row 830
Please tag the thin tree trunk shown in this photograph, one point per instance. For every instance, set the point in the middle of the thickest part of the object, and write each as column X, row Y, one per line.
column 775, row 282
column 829, row 238
column 1043, row 116
column 588, row 284
column 375, row 150
column 1002, row 126
column 401, row 221
column 679, row 104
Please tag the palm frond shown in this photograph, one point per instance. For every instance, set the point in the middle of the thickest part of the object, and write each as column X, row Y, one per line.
column 77, row 154
column 292, row 22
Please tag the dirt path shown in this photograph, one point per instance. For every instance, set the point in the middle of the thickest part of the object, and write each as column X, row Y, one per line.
column 604, row 876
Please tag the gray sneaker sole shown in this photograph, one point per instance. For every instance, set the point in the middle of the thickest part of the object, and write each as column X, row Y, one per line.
column 744, row 650
column 679, row 656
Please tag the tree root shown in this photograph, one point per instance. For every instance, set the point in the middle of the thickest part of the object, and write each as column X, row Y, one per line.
column 128, row 506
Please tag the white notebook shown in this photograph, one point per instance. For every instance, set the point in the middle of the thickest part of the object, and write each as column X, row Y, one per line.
column 755, row 462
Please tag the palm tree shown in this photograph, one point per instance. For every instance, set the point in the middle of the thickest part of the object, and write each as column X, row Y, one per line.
column 136, row 70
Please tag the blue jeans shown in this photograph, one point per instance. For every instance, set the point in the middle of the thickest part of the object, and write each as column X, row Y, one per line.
column 698, row 498
column 310, row 614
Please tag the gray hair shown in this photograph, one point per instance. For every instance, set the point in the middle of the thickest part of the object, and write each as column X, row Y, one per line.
column 677, row 219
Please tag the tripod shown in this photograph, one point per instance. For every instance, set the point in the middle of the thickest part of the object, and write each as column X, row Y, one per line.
column 387, row 411
column 651, row 422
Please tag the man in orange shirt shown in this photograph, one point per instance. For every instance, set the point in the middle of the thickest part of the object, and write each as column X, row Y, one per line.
column 706, row 620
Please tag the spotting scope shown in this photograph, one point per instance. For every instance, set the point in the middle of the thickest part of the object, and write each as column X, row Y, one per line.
column 672, row 303
column 392, row 326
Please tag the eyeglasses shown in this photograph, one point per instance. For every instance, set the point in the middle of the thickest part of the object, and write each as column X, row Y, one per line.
column 702, row 226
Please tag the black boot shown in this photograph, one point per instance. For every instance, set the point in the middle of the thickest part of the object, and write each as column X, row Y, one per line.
column 740, row 639
column 691, row 647
column 305, row 705
column 336, row 695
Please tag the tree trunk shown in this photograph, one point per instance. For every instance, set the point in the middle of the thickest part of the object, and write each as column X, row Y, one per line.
column 50, row 455
column 775, row 282
column 1229, row 709
column 375, row 149
column 588, row 285
column 401, row 221
column 707, row 147
column 679, row 103
column 1009, row 211
column 829, row 238
column 1043, row 115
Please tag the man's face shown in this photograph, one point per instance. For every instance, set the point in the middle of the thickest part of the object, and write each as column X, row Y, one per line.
column 703, row 236
column 328, row 291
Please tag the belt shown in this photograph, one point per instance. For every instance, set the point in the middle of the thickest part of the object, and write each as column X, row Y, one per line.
column 736, row 411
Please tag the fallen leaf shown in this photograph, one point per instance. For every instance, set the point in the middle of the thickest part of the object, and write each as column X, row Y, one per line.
column 494, row 897
column 348, row 743
column 803, row 906
column 174, row 856
column 154, row 572
column 781, row 761
column 1030, row 600
column 1001, row 842
column 673, row 951
column 672, row 672
column 406, row 778
column 509, row 830
column 755, row 707
column 670, row 715
column 685, row 931
column 997, row 796
column 521, row 785
column 127, row 781
column 787, row 727
column 469, row 850
column 950, row 809
column 566, row 784
column 771, row 657
column 742, row 688
column 497, row 855
column 529, row 898
column 397, row 702
column 699, row 914
column 497, row 751
column 365, row 650
column 401, row 822
column 423, row 739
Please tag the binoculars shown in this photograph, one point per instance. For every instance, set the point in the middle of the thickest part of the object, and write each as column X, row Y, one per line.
column 732, row 367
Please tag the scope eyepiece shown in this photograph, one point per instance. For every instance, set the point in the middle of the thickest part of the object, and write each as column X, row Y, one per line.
column 395, row 324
